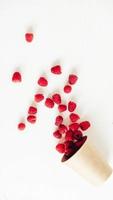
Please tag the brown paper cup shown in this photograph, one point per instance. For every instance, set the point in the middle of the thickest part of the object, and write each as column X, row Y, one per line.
column 88, row 162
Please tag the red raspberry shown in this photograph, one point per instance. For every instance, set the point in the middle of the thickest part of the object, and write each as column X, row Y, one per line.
column 60, row 148
column 85, row 125
column 42, row 81
column 74, row 117
column 56, row 69
column 57, row 134
column 38, row 97
column 31, row 119
column 67, row 88
column 72, row 79
column 58, row 120
column 29, row 37
column 79, row 143
column 77, row 134
column 74, row 126
column 49, row 103
column 69, row 136
column 62, row 128
column 62, row 107
column 21, row 126
column 56, row 98
column 71, row 106
column 16, row 77
column 32, row 110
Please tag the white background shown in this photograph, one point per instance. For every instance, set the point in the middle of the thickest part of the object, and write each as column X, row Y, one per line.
column 78, row 34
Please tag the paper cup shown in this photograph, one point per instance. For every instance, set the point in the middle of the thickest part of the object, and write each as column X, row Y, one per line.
column 89, row 163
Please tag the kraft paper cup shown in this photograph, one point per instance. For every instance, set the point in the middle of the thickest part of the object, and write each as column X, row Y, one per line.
column 89, row 163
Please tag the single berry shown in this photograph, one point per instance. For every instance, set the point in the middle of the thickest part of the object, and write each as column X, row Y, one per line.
column 85, row 125
column 56, row 69
column 74, row 126
column 57, row 134
column 32, row 110
column 62, row 107
column 38, row 97
column 31, row 119
column 60, row 148
column 72, row 79
column 69, row 136
column 58, row 120
column 71, row 106
column 21, row 126
column 67, row 88
column 62, row 128
column 49, row 103
column 74, row 117
column 16, row 77
column 29, row 37
column 42, row 81
column 56, row 98
column 77, row 135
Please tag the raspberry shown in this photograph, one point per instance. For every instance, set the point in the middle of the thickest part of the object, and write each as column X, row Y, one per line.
column 74, row 117
column 49, row 103
column 29, row 37
column 31, row 119
column 42, row 81
column 56, row 98
column 77, row 134
column 72, row 79
column 38, row 97
column 85, row 125
column 57, row 134
column 67, row 88
column 71, row 106
column 80, row 142
column 21, row 126
column 74, row 126
column 32, row 110
column 58, row 120
column 69, row 136
column 62, row 107
column 62, row 128
column 60, row 148
column 56, row 69
column 16, row 77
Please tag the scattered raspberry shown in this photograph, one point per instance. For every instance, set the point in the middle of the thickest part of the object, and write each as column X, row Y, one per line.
column 38, row 97
column 71, row 106
column 69, row 136
column 56, row 98
column 77, row 134
column 67, row 88
column 21, row 126
column 62, row 107
column 62, row 128
column 32, row 110
column 42, row 81
column 31, row 119
column 74, row 126
column 57, row 134
column 58, row 120
column 16, row 77
column 56, row 69
column 72, row 79
column 29, row 37
column 74, row 117
column 60, row 148
column 81, row 142
column 84, row 125
column 49, row 103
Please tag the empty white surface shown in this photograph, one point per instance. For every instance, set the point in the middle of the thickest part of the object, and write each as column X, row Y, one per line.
column 78, row 34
